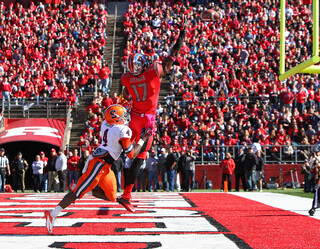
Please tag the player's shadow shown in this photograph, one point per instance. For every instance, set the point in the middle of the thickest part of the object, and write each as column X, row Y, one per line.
column 104, row 211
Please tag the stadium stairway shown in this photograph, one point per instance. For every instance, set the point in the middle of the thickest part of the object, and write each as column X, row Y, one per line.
column 79, row 118
column 116, row 11
column 164, row 90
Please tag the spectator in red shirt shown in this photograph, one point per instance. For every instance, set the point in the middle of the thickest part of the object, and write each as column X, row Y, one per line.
column 228, row 167
column 73, row 174
column 302, row 97
column 106, row 101
column 176, row 146
column 55, row 93
column 165, row 138
column 183, row 123
column 104, row 77
column 48, row 74
column 6, row 91
column 311, row 96
column 44, row 183
column 116, row 99
column 287, row 97
column 93, row 106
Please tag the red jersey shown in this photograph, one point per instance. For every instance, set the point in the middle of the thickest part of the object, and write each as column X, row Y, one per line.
column 144, row 89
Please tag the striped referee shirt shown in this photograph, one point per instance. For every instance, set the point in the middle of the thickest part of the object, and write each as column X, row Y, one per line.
column 3, row 162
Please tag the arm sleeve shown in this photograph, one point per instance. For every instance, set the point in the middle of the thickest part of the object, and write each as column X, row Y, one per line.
column 127, row 147
column 158, row 68
column 125, row 142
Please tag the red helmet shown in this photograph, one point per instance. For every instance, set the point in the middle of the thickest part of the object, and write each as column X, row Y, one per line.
column 116, row 114
column 136, row 63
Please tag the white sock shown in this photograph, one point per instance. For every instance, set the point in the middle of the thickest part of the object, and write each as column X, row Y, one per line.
column 54, row 213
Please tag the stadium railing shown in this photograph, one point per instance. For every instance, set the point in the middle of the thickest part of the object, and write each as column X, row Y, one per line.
column 35, row 108
column 298, row 156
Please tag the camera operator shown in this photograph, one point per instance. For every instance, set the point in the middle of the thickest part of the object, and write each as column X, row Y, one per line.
column 316, row 199
column 307, row 176
column 189, row 170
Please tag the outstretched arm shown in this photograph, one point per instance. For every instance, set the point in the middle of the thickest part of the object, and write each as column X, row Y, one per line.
column 168, row 61
column 133, row 151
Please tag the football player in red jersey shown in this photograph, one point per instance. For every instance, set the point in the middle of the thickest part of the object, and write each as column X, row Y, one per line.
column 142, row 86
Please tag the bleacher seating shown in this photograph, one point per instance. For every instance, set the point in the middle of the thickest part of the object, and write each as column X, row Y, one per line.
column 51, row 51
column 224, row 85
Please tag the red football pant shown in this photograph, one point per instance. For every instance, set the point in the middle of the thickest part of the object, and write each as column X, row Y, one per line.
column 137, row 123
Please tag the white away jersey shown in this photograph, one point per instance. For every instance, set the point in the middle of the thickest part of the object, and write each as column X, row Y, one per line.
column 111, row 135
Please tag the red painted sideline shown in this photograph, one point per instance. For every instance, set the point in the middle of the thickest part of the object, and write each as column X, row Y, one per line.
column 257, row 224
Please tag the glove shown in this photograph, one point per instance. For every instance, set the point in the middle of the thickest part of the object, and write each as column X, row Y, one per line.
column 146, row 134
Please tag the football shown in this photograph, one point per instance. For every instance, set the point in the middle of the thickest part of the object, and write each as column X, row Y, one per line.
column 209, row 15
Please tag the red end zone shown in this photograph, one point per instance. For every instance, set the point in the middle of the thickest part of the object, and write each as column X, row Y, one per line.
column 259, row 225
column 163, row 220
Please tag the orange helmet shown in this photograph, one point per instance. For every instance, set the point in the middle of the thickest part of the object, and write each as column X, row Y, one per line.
column 116, row 114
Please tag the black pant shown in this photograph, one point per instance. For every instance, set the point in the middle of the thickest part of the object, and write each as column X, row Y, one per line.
column 188, row 175
column 37, row 182
column 316, row 199
column 229, row 177
column 62, row 178
column 19, row 181
column 3, row 179
column 241, row 176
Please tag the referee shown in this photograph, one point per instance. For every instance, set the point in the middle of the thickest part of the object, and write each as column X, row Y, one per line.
column 4, row 167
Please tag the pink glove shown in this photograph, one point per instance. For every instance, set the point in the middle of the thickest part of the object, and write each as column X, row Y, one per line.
column 151, row 123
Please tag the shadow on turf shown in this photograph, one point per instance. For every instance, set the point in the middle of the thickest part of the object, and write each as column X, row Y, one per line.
column 103, row 211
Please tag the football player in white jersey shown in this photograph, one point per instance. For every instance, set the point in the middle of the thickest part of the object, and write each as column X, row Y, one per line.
column 116, row 137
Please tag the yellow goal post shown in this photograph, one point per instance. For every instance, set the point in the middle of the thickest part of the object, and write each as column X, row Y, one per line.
column 307, row 66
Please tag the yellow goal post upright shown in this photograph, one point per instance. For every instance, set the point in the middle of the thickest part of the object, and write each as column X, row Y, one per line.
column 307, row 66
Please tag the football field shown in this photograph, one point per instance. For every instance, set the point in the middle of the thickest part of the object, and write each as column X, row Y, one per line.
column 162, row 220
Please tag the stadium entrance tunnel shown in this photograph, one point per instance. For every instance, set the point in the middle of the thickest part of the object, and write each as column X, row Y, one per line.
column 29, row 150
column 30, row 137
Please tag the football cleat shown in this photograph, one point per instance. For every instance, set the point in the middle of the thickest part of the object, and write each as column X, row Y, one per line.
column 49, row 221
column 311, row 212
column 126, row 203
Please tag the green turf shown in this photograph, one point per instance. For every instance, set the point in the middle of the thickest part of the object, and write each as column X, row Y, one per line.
column 296, row 192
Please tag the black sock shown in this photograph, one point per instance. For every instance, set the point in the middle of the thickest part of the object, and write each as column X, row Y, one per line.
column 133, row 172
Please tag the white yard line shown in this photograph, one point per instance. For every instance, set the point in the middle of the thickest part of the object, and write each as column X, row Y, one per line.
column 299, row 205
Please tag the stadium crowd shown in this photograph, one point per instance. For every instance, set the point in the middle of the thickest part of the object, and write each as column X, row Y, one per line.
column 51, row 51
column 224, row 87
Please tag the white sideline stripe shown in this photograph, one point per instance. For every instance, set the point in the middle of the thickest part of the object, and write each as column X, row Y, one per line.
column 167, row 241
column 296, row 204
column 145, row 212
column 187, row 225
column 149, row 204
